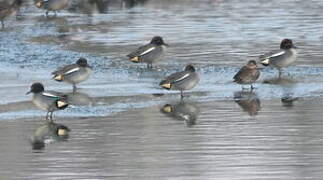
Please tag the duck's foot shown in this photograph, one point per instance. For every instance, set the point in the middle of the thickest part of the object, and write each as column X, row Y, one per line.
column 252, row 87
column 184, row 95
column 51, row 117
column 2, row 25
column 149, row 66
column 74, row 88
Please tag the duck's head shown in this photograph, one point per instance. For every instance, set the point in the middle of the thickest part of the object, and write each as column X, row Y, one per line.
column 252, row 64
column 82, row 62
column 157, row 40
column 190, row 68
column 287, row 44
column 36, row 88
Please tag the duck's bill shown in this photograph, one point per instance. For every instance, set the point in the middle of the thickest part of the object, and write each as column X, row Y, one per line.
column 165, row 44
column 295, row 47
column 90, row 67
column 28, row 92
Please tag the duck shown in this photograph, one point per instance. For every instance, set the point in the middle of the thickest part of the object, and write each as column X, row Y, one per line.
column 73, row 73
column 184, row 80
column 281, row 58
column 149, row 53
column 51, row 5
column 49, row 132
column 184, row 111
column 49, row 101
column 248, row 101
column 248, row 74
column 7, row 9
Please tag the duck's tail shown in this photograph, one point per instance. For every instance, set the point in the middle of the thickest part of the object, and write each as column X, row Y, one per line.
column 165, row 84
column 264, row 60
column 61, row 104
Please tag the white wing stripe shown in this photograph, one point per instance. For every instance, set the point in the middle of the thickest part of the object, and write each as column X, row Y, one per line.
column 183, row 77
column 147, row 51
column 49, row 94
column 277, row 54
column 72, row 70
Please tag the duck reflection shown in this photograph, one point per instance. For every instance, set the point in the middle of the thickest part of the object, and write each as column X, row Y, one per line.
column 102, row 6
column 184, row 111
column 61, row 23
column 48, row 133
column 132, row 3
column 248, row 101
column 280, row 81
column 288, row 100
column 90, row 6
column 79, row 99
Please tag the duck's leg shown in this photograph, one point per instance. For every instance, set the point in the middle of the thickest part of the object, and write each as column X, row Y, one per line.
column 74, row 88
column 46, row 13
column 280, row 73
column 2, row 24
column 244, row 88
column 182, row 95
column 149, row 66
column 51, row 116
column 252, row 87
column 47, row 115
column 55, row 13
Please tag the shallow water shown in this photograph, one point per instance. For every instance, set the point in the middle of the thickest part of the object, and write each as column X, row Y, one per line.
column 123, row 126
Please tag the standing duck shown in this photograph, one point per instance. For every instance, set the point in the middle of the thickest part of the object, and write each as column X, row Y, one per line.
column 51, row 5
column 7, row 9
column 73, row 73
column 184, row 80
column 49, row 101
column 149, row 53
column 282, row 57
column 248, row 74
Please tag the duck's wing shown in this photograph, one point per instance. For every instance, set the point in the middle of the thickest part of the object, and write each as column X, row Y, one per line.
column 66, row 69
column 176, row 77
column 243, row 72
column 142, row 51
column 54, row 95
column 59, row 99
column 272, row 54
